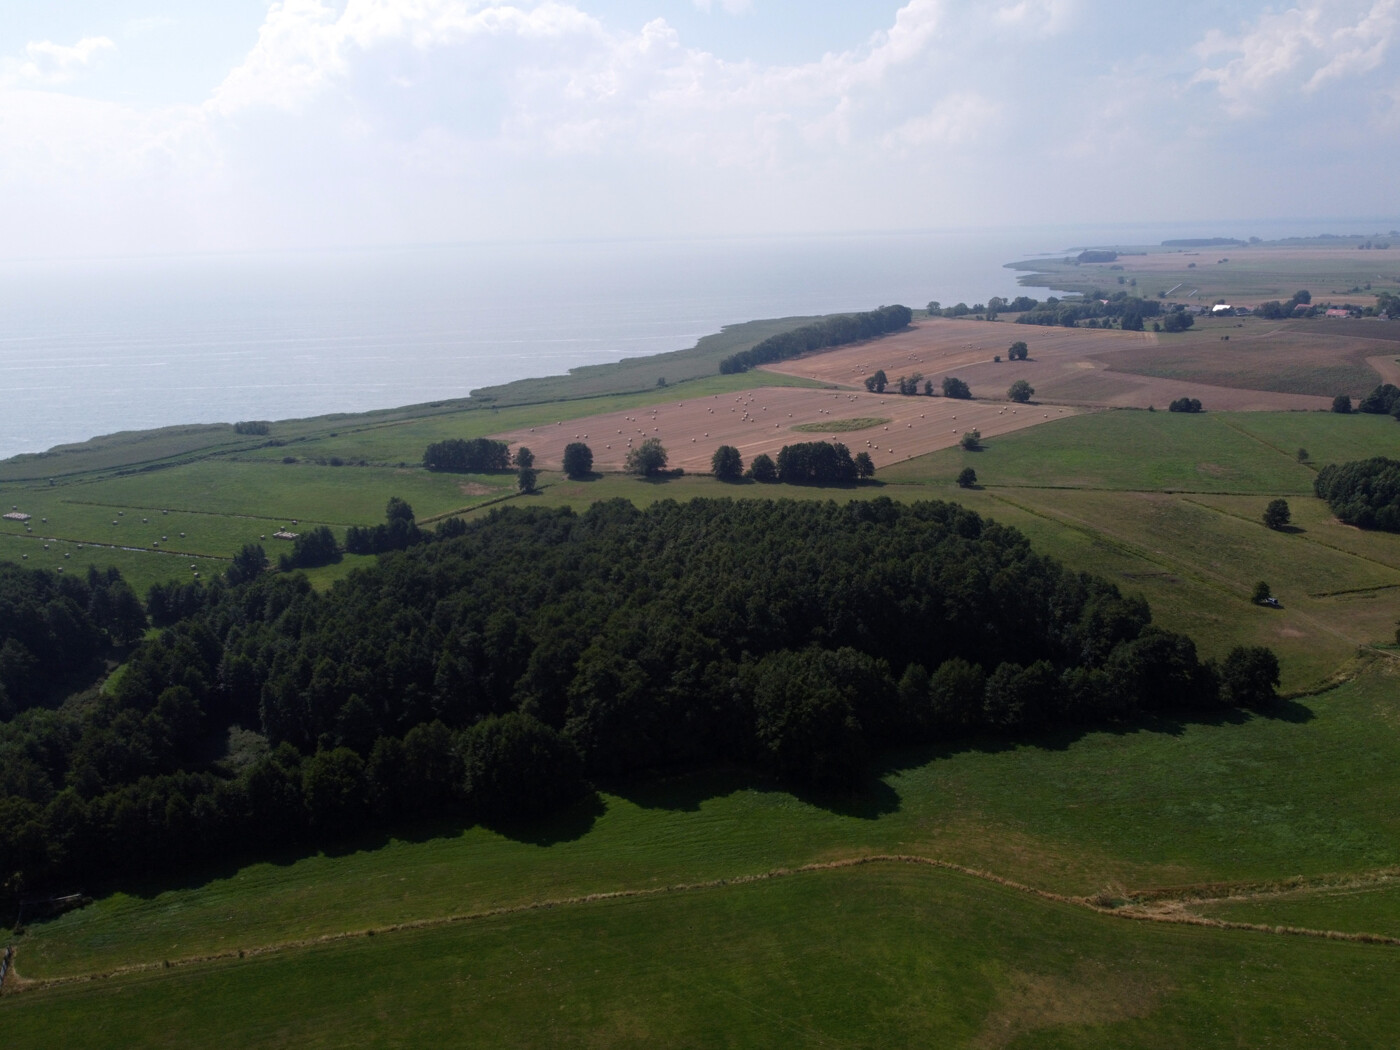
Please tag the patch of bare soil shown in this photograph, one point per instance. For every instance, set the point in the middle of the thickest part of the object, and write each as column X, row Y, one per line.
column 1091, row 996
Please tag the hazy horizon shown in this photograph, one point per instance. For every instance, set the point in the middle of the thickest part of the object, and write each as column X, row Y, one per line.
column 158, row 127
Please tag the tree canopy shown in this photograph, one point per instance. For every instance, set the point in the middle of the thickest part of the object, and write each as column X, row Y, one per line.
column 578, row 459
column 1365, row 493
column 829, row 331
column 727, row 464
column 647, row 459
column 1276, row 514
column 478, row 455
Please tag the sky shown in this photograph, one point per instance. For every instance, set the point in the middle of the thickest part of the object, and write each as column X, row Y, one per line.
column 169, row 126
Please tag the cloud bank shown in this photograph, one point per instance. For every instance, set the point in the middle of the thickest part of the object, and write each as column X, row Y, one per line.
column 390, row 121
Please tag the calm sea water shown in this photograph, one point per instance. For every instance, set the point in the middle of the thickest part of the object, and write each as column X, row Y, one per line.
column 94, row 347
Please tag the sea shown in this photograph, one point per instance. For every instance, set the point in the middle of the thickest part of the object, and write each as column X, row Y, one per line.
column 96, row 346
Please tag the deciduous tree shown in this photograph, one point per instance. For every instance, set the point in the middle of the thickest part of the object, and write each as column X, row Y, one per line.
column 578, row 460
column 1276, row 514
column 647, row 459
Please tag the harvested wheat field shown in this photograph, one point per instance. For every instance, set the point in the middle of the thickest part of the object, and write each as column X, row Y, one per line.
column 1069, row 365
column 765, row 419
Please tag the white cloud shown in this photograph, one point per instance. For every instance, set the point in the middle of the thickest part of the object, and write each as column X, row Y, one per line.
column 368, row 121
column 1297, row 51
column 960, row 118
column 730, row 7
column 1044, row 16
column 45, row 63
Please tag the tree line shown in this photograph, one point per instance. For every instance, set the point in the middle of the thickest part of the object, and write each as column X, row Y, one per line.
column 1365, row 493
column 1096, row 309
column 461, row 456
column 819, row 335
column 499, row 672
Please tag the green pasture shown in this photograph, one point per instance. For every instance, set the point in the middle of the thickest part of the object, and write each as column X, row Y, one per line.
column 1308, row 791
column 877, row 956
column 841, row 426
column 1128, row 449
column 279, row 493
column 140, row 568
column 72, row 517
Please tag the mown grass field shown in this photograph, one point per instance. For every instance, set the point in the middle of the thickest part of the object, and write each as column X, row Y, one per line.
column 879, row 955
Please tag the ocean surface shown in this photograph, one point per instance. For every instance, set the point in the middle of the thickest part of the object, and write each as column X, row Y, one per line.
column 99, row 346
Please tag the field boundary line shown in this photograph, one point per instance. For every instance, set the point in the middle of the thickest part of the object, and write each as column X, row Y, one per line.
column 1170, row 910
column 1181, row 567
column 1307, row 538
column 1229, row 425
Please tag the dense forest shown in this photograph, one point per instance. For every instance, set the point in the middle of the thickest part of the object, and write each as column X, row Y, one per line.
column 1365, row 493
column 819, row 335
column 55, row 629
column 497, row 673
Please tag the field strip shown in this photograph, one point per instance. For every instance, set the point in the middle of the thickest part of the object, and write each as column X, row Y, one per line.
column 1291, row 456
column 121, row 547
column 1166, row 906
column 203, row 513
column 1124, row 546
column 1307, row 537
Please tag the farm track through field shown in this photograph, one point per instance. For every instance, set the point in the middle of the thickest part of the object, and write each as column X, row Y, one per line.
column 1167, row 905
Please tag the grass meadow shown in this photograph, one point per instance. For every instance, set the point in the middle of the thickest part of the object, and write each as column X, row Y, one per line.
column 878, row 955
